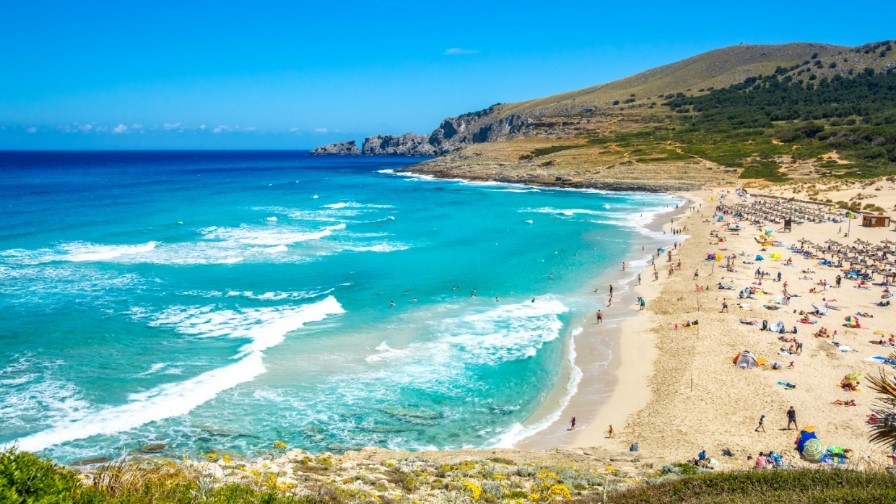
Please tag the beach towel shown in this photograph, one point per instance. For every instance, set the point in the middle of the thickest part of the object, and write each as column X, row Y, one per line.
column 880, row 359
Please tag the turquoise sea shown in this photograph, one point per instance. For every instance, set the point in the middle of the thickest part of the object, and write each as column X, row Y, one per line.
column 221, row 301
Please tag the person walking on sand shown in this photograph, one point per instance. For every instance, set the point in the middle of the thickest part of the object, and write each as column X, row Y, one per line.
column 610, row 431
column 623, row 265
column 724, row 306
column 761, row 425
column 600, row 317
column 611, row 291
column 572, row 424
column 791, row 418
column 639, row 279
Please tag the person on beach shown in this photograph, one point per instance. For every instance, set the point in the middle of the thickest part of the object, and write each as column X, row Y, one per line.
column 611, row 291
column 600, row 317
column 572, row 424
column 696, row 274
column 838, row 280
column 610, row 431
column 623, row 265
column 639, row 279
column 391, row 304
column 791, row 418
column 724, row 306
column 761, row 425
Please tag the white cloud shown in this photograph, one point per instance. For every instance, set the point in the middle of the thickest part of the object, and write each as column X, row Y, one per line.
column 121, row 128
column 202, row 126
column 31, row 129
column 457, row 51
column 171, row 126
column 85, row 128
column 321, row 130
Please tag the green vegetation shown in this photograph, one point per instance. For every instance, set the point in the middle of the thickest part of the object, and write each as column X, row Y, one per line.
column 794, row 486
column 25, row 478
column 855, row 116
column 765, row 122
column 544, row 151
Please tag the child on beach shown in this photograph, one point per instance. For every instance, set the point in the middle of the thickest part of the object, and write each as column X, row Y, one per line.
column 761, row 425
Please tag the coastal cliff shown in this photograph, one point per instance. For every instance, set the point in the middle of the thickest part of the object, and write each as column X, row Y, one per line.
column 348, row 148
column 452, row 135
column 408, row 144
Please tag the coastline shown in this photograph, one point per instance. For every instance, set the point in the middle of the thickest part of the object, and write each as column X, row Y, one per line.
column 593, row 384
column 610, row 389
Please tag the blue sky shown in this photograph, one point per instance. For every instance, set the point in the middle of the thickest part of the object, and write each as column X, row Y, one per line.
column 269, row 74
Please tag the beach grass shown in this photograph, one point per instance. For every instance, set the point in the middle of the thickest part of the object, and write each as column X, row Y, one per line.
column 26, row 478
column 792, row 486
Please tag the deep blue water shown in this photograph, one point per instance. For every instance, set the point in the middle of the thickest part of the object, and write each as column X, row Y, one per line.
column 221, row 301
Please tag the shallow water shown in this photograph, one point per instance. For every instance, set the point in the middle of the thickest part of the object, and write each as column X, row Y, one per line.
column 221, row 301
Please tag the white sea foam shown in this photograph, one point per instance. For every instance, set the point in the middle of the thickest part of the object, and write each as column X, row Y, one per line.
column 506, row 333
column 155, row 368
column 31, row 390
column 83, row 252
column 566, row 212
column 251, row 235
column 518, row 431
column 264, row 328
column 276, row 249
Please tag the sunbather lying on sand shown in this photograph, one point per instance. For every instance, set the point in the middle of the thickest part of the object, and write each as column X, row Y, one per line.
column 841, row 402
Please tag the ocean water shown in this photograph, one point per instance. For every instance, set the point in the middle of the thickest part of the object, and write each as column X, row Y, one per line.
column 221, row 301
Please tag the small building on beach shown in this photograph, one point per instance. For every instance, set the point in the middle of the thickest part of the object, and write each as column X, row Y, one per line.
column 871, row 220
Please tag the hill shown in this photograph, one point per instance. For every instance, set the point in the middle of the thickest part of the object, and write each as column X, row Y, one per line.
column 653, row 130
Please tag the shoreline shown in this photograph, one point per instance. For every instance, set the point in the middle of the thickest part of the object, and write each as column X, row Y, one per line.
column 634, row 352
column 606, row 387
column 596, row 382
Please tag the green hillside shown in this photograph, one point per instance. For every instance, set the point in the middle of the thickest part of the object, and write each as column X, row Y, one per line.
column 710, row 70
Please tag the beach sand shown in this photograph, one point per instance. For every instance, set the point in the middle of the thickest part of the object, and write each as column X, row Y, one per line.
column 677, row 391
column 601, row 348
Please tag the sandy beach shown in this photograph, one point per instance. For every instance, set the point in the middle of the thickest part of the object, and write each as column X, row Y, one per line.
column 677, row 390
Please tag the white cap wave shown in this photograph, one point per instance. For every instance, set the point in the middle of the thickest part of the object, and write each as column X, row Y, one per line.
column 175, row 399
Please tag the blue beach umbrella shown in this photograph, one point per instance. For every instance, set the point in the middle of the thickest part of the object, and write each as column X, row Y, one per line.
column 759, row 257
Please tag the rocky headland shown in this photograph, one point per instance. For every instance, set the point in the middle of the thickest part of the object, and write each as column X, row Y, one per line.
column 349, row 148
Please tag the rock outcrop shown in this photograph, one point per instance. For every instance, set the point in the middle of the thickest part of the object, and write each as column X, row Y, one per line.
column 452, row 135
column 340, row 148
column 408, row 144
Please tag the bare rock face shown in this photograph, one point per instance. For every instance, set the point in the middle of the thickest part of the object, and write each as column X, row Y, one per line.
column 477, row 127
column 408, row 144
column 340, row 148
column 452, row 135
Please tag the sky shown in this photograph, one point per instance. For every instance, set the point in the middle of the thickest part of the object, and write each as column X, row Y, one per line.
column 295, row 74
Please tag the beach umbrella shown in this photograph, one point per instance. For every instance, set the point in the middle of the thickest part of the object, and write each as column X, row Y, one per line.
column 718, row 257
column 759, row 257
column 822, row 310
column 853, row 377
column 851, row 320
column 880, row 332
column 813, row 449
